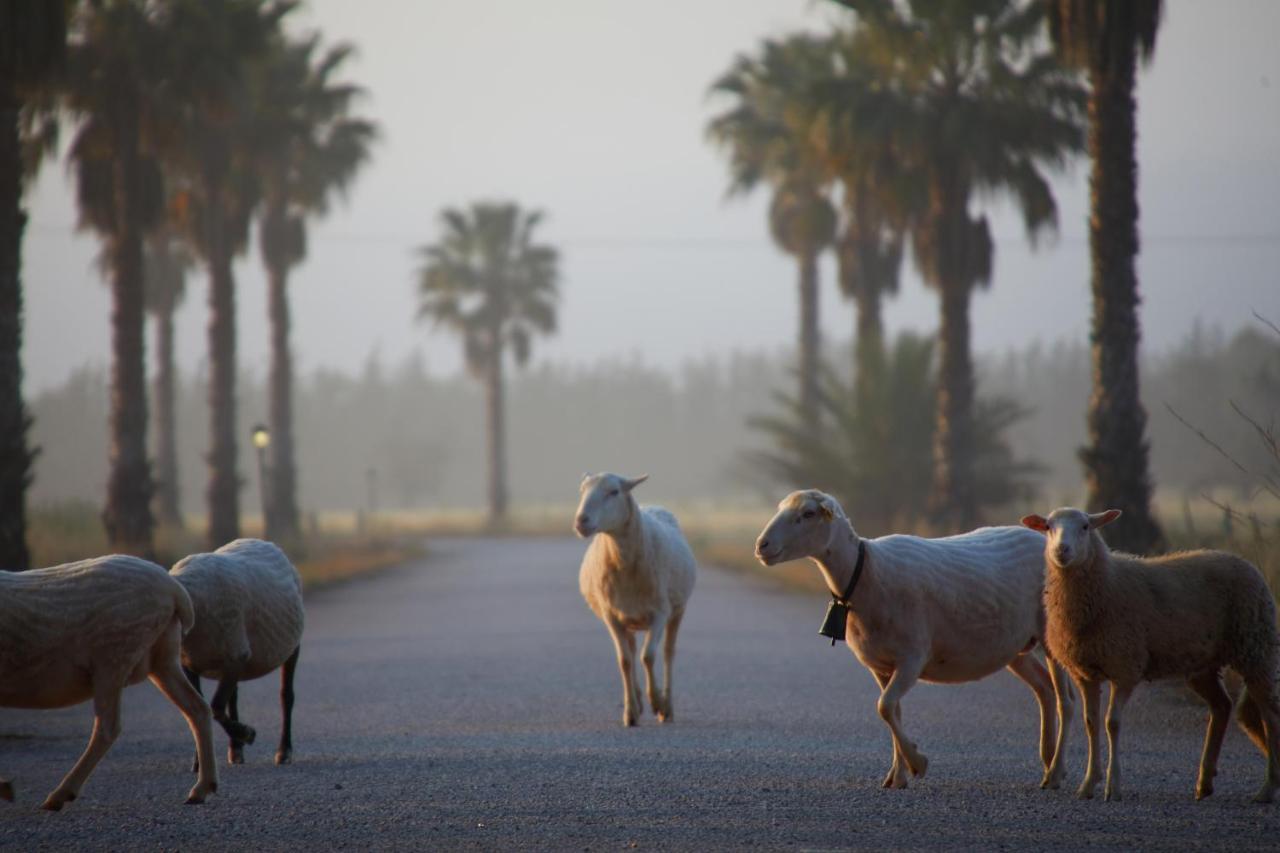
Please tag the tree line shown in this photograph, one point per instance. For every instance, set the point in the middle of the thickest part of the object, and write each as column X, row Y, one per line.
column 424, row 438
column 894, row 129
column 190, row 122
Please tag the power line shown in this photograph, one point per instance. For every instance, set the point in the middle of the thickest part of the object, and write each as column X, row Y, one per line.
column 615, row 243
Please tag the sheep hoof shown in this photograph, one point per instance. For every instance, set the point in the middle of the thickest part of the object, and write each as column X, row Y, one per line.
column 284, row 756
column 6, row 791
column 1112, row 796
column 235, row 755
column 919, row 766
column 55, row 801
column 1085, row 792
column 1203, row 791
column 628, row 720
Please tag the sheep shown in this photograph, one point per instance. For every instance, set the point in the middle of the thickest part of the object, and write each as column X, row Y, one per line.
column 87, row 630
column 1125, row 619
column 637, row 575
column 943, row 610
column 249, row 617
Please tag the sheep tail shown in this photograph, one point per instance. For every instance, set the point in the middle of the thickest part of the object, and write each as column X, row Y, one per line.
column 182, row 603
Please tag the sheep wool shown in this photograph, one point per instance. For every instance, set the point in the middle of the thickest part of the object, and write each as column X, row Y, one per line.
column 637, row 575
column 87, row 630
column 249, row 621
column 944, row 610
column 1125, row 619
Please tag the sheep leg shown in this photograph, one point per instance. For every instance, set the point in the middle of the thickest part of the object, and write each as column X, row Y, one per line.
column 106, row 728
column 284, row 754
column 1062, row 690
column 1120, row 694
column 235, row 750
column 648, row 656
column 624, row 643
column 1029, row 669
column 1209, row 686
column 193, row 678
column 169, row 679
column 218, row 704
column 902, row 680
column 1091, row 694
column 1261, row 691
column 668, row 657
column 897, row 777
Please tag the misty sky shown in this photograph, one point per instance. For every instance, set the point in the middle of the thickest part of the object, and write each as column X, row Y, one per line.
column 594, row 111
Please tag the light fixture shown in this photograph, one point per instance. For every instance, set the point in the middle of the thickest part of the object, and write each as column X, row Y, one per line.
column 261, row 437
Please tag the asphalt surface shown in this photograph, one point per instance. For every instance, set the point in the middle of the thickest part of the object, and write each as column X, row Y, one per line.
column 471, row 700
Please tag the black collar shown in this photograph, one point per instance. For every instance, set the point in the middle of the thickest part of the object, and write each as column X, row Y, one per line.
column 857, row 573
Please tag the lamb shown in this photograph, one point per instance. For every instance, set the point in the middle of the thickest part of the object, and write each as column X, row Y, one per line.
column 637, row 575
column 87, row 630
column 1124, row 619
column 249, row 616
column 943, row 610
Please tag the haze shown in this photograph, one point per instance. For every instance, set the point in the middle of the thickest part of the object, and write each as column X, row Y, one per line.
column 594, row 112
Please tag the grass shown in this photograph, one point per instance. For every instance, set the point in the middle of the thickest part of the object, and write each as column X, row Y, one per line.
column 328, row 553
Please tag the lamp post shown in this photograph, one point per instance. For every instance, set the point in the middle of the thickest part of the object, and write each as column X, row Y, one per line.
column 261, row 439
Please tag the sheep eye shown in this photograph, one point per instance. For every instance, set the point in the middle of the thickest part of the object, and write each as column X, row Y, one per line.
column 613, row 494
column 1084, row 527
column 808, row 513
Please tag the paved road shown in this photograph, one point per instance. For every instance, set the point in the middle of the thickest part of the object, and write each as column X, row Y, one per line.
column 471, row 701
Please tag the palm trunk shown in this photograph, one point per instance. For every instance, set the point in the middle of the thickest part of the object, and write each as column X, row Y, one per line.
column 952, row 499
column 168, row 496
column 15, row 456
column 127, row 516
column 868, row 331
column 497, row 437
column 223, row 491
column 1115, row 462
column 282, row 511
column 809, row 335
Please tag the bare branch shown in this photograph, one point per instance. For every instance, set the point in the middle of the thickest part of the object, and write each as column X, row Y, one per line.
column 1266, row 322
column 1209, row 441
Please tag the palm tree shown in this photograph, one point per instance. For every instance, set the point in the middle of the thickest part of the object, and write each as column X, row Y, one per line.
column 487, row 280
column 211, row 45
column 310, row 148
column 33, row 37
column 166, row 261
column 112, row 68
column 969, row 105
column 766, row 140
column 869, row 253
column 1107, row 39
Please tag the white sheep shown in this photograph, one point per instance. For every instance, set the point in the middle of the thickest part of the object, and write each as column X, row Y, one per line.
column 943, row 610
column 249, row 617
column 637, row 575
column 1124, row 619
column 87, row 630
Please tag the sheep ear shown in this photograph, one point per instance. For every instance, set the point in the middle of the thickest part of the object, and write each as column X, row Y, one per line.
column 1036, row 522
column 628, row 485
column 1102, row 519
column 826, row 507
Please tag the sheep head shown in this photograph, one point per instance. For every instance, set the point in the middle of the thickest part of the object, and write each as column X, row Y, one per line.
column 1069, row 534
column 801, row 528
column 606, row 504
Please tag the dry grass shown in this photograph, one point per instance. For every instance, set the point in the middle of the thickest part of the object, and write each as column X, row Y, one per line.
column 330, row 553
